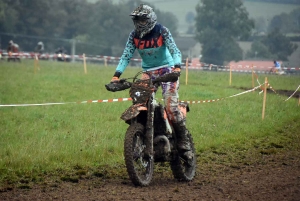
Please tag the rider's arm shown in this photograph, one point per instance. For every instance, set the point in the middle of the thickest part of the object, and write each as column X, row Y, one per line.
column 126, row 56
column 171, row 45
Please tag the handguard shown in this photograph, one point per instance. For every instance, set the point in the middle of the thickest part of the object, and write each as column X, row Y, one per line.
column 170, row 77
column 118, row 86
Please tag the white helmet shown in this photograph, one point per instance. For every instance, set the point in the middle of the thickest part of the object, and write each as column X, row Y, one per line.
column 144, row 19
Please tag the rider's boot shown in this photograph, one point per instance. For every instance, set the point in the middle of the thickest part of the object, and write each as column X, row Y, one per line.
column 183, row 142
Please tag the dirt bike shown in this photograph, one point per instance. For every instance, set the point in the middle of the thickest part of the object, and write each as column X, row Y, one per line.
column 275, row 70
column 150, row 137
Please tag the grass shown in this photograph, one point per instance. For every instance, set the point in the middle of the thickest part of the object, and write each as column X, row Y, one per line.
column 58, row 139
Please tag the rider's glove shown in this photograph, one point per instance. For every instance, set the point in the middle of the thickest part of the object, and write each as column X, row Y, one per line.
column 115, row 79
column 116, row 76
column 177, row 69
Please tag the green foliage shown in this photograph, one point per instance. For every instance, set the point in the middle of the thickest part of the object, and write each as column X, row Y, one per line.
column 278, row 1
column 100, row 28
column 279, row 45
column 286, row 23
column 45, row 140
column 219, row 24
column 259, row 50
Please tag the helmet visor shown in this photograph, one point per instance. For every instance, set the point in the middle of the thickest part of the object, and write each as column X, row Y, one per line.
column 140, row 20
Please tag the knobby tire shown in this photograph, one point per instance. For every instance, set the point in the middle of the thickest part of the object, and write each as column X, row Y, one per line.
column 139, row 168
column 182, row 171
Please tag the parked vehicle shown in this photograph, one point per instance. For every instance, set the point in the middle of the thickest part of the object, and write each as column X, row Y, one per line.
column 150, row 136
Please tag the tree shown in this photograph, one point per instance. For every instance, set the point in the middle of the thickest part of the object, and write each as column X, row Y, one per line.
column 8, row 17
column 281, row 22
column 258, row 51
column 279, row 45
column 260, row 25
column 99, row 28
column 219, row 24
column 286, row 23
column 274, row 46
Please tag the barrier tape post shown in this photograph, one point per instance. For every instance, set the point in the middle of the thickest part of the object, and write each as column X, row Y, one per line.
column 252, row 77
column 34, row 67
column 84, row 64
column 186, row 70
column 265, row 98
column 230, row 75
column 36, row 64
column 105, row 62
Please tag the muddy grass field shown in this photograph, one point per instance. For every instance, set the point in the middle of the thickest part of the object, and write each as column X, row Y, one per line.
column 268, row 174
column 269, row 177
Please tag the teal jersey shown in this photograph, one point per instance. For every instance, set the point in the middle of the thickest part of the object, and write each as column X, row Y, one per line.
column 157, row 50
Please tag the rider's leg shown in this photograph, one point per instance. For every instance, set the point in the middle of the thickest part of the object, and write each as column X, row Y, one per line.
column 171, row 99
column 183, row 141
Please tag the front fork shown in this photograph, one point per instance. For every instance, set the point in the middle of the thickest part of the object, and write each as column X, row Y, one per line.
column 150, row 127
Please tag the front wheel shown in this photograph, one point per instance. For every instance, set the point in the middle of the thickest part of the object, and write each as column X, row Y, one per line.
column 139, row 167
column 181, row 169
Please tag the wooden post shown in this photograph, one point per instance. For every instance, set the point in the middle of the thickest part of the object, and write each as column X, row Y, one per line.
column 105, row 61
column 230, row 75
column 265, row 98
column 84, row 64
column 186, row 70
column 36, row 63
column 34, row 68
column 252, row 78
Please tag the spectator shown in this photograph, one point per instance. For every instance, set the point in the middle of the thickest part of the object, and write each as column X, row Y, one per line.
column 12, row 49
column 39, row 48
column 277, row 65
column 61, row 54
column 60, row 50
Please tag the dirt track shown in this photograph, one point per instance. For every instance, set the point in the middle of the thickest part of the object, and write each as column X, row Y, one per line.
column 272, row 177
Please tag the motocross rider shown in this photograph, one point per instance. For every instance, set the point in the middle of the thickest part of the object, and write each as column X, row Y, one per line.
column 160, row 56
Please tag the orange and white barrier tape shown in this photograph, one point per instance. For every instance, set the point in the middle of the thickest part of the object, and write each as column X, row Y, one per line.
column 278, row 94
column 200, row 66
column 206, row 66
column 214, row 100
column 129, row 99
column 88, row 101
column 293, row 93
column 32, row 55
column 117, row 100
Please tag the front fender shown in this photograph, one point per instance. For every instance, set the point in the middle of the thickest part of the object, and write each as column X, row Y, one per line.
column 132, row 112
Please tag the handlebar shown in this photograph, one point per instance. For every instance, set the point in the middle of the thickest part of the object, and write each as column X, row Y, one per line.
column 124, row 84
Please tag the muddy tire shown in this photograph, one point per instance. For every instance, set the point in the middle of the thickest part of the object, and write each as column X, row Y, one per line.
column 139, row 167
column 182, row 171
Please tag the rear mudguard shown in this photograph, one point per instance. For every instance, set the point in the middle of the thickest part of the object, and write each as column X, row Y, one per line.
column 133, row 111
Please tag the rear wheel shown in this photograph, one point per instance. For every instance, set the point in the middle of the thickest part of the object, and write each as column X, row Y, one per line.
column 184, row 170
column 139, row 167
